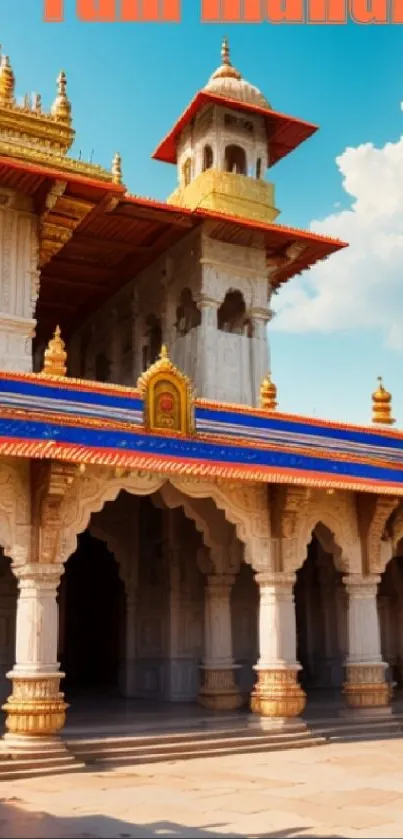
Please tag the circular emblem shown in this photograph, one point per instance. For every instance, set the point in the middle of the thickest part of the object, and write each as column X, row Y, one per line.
column 166, row 403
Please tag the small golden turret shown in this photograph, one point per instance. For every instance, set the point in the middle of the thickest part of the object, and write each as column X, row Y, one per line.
column 382, row 405
column 55, row 356
column 117, row 176
column 268, row 394
column 61, row 108
column 7, row 81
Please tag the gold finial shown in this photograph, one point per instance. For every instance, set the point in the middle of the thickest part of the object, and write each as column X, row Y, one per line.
column 226, row 70
column 382, row 405
column 7, row 80
column 225, row 53
column 164, row 351
column 61, row 108
column 268, row 394
column 117, row 169
column 55, row 356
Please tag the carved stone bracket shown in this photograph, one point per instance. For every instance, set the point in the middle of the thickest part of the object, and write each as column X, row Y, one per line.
column 373, row 512
column 50, row 484
column 288, row 506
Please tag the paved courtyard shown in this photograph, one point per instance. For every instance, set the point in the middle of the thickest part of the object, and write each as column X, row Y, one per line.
column 340, row 790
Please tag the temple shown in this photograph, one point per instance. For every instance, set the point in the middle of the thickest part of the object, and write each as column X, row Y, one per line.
column 171, row 542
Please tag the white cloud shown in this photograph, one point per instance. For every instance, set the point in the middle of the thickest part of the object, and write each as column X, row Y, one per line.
column 361, row 286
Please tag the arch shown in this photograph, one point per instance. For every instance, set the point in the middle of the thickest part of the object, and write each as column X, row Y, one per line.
column 231, row 316
column 235, row 160
column 208, row 158
column 336, row 512
column 326, row 530
column 187, row 171
column 168, row 398
column 188, row 315
column 243, row 506
column 218, row 534
column 114, row 545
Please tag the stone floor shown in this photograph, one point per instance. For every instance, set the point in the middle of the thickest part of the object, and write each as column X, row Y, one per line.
column 343, row 790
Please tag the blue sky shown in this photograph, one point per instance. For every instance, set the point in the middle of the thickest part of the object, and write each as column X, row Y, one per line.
column 129, row 82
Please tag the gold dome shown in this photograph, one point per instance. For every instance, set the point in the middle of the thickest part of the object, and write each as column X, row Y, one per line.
column 55, row 356
column 7, row 80
column 227, row 81
column 61, row 108
column 382, row 405
column 268, row 394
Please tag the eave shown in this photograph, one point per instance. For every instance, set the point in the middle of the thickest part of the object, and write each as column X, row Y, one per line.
column 284, row 133
column 89, row 423
column 113, row 244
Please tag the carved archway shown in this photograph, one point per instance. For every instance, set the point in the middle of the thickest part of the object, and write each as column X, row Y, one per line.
column 218, row 534
column 333, row 519
column 244, row 507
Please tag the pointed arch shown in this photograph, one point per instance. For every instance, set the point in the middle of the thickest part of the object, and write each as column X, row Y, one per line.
column 243, row 506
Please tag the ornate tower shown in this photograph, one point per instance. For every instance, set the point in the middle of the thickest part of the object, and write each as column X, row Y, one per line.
column 26, row 133
column 223, row 145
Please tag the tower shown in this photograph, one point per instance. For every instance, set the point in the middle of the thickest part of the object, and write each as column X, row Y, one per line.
column 223, row 145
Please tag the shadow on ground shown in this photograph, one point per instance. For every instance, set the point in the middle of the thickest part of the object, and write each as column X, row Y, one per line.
column 18, row 823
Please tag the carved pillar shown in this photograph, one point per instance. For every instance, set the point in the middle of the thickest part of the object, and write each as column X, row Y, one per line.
column 219, row 691
column 36, row 708
column 277, row 692
column 365, row 685
column 260, row 350
column 174, row 641
column 206, row 344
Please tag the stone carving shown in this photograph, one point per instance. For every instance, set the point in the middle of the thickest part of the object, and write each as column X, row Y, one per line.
column 50, row 484
column 90, row 494
column 397, row 528
column 373, row 514
column 15, row 511
column 336, row 512
column 244, row 507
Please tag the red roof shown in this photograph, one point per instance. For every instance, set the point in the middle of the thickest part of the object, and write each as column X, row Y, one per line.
column 284, row 133
column 110, row 248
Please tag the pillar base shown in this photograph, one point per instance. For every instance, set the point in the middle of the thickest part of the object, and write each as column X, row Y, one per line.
column 365, row 686
column 219, row 691
column 36, row 707
column 278, row 694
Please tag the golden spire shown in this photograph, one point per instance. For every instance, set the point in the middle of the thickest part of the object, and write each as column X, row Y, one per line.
column 225, row 56
column 268, row 394
column 226, row 70
column 117, row 169
column 7, row 80
column 55, row 356
column 61, row 108
column 382, row 405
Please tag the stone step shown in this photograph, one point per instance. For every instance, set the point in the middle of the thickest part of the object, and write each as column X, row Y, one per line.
column 361, row 737
column 135, row 758
column 178, row 739
column 25, row 767
column 164, row 745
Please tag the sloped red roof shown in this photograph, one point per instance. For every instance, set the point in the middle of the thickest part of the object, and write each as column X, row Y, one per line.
column 284, row 133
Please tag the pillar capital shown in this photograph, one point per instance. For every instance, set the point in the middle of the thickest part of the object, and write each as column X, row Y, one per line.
column 275, row 581
column 218, row 584
column 207, row 301
column 362, row 586
column 38, row 574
